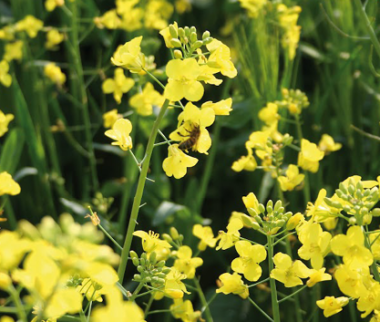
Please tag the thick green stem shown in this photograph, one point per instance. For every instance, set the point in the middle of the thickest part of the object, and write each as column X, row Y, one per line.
column 272, row 283
column 139, row 193
column 16, row 300
column 203, row 300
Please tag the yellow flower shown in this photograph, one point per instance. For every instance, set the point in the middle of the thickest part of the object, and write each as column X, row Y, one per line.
column 119, row 85
column 375, row 244
column 331, row 305
column 13, row 51
column 232, row 283
column 12, row 249
column 370, row 299
column 130, row 56
column 315, row 243
column 247, row 263
column 351, row 248
column 50, row 5
column 5, row 78
column 53, row 38
column 31, row 25
column 152, row 243
column 5, row 281
column 287, row 272
column 184, row 310
column 220, row 58
column 143, row 102
column 7, row 185
column 131, row 17
column 110, row 118
column 177, row 162
column 5, row 119
column 206, row 236
column 247, row 163
column 229, row 238
column 6, row 318
column 293, row 178
column 7, row 32
column 350, row 281
column 192, row 129
column 55, row 74
column 268, row 114
column 174, row 287
column 295, row 221
column 327, row 144
column 182, row 82
column 185, row 264
column 157, row 13
column 120, row 132
column 222, row 107
column 252, row 204
column 320, row 211
column 317, row 276
column 253, row 6
column 63, row 301
column 167, row 35
column 309, row 157
column 182, row 6
column 109, row 20
column 117, row 309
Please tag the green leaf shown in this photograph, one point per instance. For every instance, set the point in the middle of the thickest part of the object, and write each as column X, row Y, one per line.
column 11, row 152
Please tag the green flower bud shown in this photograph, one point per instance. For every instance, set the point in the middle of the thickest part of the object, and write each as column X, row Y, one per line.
column 367, row 219
column 277, row 205
column 160, row 264
column 206, row 34
column 161, row 275
column 366, row 193
column 133, row 254
column 147, row 279
column 359, row 193
column 261, row 208
column 193, row 37
column 178, row 54
column 351, row 189
column 193, row 29
column 140, row 269
column 376, row 212
column 137, row 277
column 196, row 45
column 166, row 270
column 173, row 31
column 342, row 188
column 359, row 185
column 347, row 208
column 187, row 31
column 153, row 258
column 252, row 212
column 208, row 40
column 167, row 238
column 176, row 43
column 143, row 261
column 181, row 32
column 135, row 261
column 352, row 221
column 174, row 233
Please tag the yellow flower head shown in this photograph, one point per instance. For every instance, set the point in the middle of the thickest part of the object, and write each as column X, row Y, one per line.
column 7, row 32
column 268, row 114
column 253, row 6
column 192, row 132
column 331, row 305
column 317, row 276
column 184, row 310
column 53, row 38
column 232, row 283
column 182, row 82
column 13, row 51
column 247, row 263
column 222, row 107
column 252, row 204
column 220, row 58
column 288, row 272
column 120, row 132
column 50, row 5
column 206, row 236
column 185, row 264
column 109, row 20
column 293, row 178
column 177, row 162
column 309, row 157
column 350, row 281
column 327, row 144
column 144, row 101
column 152, row 243
column 109, row 118
column 5, row 119
column 130, row 56
column 31, row 25
column 12, row 249
column 157, row 13
column 55, row 74
column 5, row 78
column 174, row 287
column 351, row 248
column 295, row 221
column 247, row 163
column 7, row 185
column 229, row 238
column 315, row 243
column 168, row 35
column 119, row 85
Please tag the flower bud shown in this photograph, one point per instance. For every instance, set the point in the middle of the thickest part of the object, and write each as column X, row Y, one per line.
column 206, row 34
column 187, row 31
column 173, row 31
column 166, row 270
column 137, row 277
column 167, row 238
column 376, row 212
column 140, row 269
column 181, row 32
column 193, row 29
column 347, row 208
column 342, row 187
column 175, row 42
column 5, row 281
column 352, row 221
column 147, row 279
column 351, row 189
column 261, row 208
column 193, row 37
column 153, row 258
column 174, row 233
column 133, row 254
column 196, row 45
column 367, row 219
column 177, row 54
column 359, row 193
column 161, row 264
column 135, row 261
column 208, row 40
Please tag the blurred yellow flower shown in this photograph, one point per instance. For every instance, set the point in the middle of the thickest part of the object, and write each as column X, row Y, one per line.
column 177, row 162
column 331, row 305
column 232, row 283
column 309, row 157
column 5, row 119
column 229, row 238
column 118, row 85
column 174, row 287
column 268, row 114
column 293, row 178
column 181, row 6
column 53, row 38
column 54, row 73
column 350, row 281
column 120, row 132
column 5, row 78
column 144, row 101
column 50, row 5
column 327, row 144
column 253, row 6
column 222, row 107
column 109, row 20
column 13, row 51
column 184, row 310
column 130, row 56
column 7, row 185
column 157, row 13
column 109, row 118
column 31, row 25
column 182, row 82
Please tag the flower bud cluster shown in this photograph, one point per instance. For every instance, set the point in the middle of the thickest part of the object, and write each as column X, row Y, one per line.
column 149, row 269
column 293, row 100
column 356, row 200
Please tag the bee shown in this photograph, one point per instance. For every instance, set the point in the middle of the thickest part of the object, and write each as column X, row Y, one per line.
column 189, row 143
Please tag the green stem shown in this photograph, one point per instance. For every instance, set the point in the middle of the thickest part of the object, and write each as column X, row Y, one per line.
column 258, row 283
column 16, row 300
column 260, row 309
column 294, row 293
column 139, row 193
column 374, row 265
column 137, row 291
column 273, row 293
column 110, row 237
column 149, row 304
column 203, row 300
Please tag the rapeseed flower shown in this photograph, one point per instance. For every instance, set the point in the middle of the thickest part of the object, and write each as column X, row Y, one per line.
column 174, row 287
column 185, row 264
column 152, row 243
column 177, row 162
column 233, row 283
column 229, row 238
column 5, row 119
column 182, row 82
column 288, row 272
column 169, row 33
column 247, row 163
column 130, row 56
column 350, row 281
column 109, row 20
column 247, row 263
column 55, row 74
column 119, row 85
column 5, row 78
column 50, row 5
column 292, row 179
column 269, row 114
column 327, row 144
column 31, row 25
column 331, row 305
column 220, row 58
column 309, row 157
column 184, row 310
column 222, row 107
column 7, row 185
column 253, row 6
column 53, row 38
column 120, row 132
column 316, row 276
column 144, row 101
column 206, row 236
column 13, row 51
column 109, row 118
